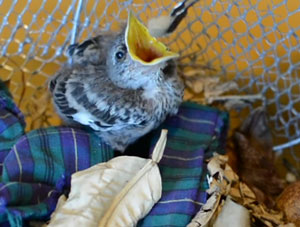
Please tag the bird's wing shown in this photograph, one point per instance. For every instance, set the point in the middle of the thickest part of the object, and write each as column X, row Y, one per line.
column 90, row 51
column 84, row 97
column 87, row 52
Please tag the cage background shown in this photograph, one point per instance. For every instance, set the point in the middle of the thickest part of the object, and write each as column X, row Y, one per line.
column 253, row 42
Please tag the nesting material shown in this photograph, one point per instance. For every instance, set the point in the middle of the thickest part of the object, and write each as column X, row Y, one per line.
column 116, row 193
column 209, row 90
column 255, row 158
column 228, row 195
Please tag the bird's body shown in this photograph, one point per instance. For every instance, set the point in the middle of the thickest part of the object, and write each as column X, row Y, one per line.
column 120, row 99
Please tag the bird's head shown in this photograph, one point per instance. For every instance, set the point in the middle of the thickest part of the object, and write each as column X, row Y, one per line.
column 135, row 58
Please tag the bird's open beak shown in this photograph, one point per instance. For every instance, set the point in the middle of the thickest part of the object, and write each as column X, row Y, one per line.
column 143, row 47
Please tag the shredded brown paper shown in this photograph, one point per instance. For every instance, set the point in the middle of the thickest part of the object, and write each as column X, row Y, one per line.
column 228, row 193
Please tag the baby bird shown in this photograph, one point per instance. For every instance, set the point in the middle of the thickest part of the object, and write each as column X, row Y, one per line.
column 122, row 85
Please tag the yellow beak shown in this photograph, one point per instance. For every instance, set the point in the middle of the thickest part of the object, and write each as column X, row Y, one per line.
column 143, row 47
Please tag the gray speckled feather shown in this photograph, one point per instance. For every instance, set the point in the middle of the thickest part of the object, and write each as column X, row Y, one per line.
column 117, row 97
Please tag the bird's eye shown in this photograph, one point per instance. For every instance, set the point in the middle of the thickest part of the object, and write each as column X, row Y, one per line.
column 120, row 55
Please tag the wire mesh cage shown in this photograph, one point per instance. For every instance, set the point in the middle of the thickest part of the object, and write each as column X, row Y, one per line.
column 253, row 42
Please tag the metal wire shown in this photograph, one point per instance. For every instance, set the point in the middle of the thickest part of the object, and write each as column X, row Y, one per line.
column 253, row 42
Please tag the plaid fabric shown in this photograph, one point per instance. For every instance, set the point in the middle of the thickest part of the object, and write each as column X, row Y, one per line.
column 37, row 166
column 193, row 135
column 60, row 151
column 37, row 169
column 11, row 123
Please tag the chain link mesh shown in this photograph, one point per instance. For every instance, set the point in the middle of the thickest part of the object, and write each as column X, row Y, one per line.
column 253, row 42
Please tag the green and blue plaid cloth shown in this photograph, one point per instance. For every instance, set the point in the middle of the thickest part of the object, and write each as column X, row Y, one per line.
column 37, row 166
column 12, row 122
column 194, row 134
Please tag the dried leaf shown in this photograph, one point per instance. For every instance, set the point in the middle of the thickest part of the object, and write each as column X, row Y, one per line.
column 230, row 174
column 223, row 183
column 218, row 187
column 215, row 164
column 265, row 215
column 196, row 86
column 246, row 191
column 288, row 225
column 236, row 104
column 116, row 193
column 197, row 73
column 206, row 212
column 215, row 90
column 234, row 101
column 235, row 193
column 200, row 84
